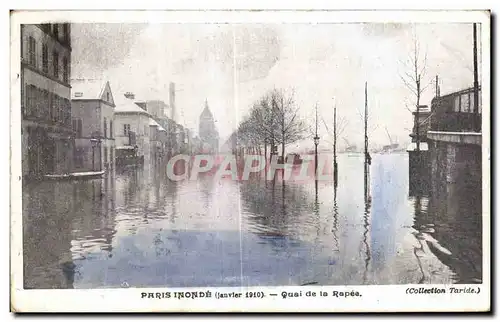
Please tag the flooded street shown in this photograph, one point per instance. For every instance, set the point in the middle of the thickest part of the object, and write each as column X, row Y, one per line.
column 139, row 229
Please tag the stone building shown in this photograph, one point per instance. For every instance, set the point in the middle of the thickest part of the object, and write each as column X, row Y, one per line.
column 208, row 133
column 131, row 127
column 92, row 110
column 47, row 134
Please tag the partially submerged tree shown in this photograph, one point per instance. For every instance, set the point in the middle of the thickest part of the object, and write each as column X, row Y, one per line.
column 290, row 127
column 414, row 79
column 272, row 120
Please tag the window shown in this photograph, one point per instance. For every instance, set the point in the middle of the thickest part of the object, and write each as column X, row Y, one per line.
column 126, row 129
column 46, row 27
column 464, row 103
column 77, row 127
column 65, row 70
column 61, row 110
column 45, row 104
column 32, row 51
column 111, row 129
column 105, row 129
column 57, row 108
column 30, row 100
column 456, row 104
column 146, row 130
column 45, row 58
column 55, row 64
column 66, row 32
column 107, row 97
column 56, row 30
column 105, row 155
column 49, row 106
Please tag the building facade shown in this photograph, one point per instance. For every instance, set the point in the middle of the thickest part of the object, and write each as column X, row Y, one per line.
column 131, row 127
column 92, row 109
column 208, row 133
column 157, row 140
column 47, row 135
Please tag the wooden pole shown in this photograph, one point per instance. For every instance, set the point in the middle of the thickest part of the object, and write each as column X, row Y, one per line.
column 335, row 175
column 367, row 156
column 366, row 121
column 316, row 144
column 476, row 82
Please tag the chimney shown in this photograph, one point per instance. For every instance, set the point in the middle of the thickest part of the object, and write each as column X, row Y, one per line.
column 130, row 95
column 172, row 100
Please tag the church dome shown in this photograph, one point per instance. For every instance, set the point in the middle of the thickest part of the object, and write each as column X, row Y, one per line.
column 206, row 112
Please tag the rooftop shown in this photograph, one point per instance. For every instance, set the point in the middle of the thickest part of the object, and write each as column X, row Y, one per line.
column 126, row 105
column 87, row 89
column 154, row 123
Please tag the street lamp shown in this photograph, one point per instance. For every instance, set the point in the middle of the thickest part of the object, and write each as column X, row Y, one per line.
column 316, row 142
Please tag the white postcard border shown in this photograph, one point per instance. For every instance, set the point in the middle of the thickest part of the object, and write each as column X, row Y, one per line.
column 373, row 298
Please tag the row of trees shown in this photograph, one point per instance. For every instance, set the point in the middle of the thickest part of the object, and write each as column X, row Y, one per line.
column 273, row 121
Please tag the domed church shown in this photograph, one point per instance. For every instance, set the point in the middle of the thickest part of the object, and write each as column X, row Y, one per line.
column 209, row 135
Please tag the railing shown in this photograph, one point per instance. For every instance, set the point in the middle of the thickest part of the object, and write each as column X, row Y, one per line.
column 456, row 113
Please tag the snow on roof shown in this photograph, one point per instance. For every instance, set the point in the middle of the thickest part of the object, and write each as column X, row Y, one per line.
column 87, row 89
column 127, row 105
column 152, row 122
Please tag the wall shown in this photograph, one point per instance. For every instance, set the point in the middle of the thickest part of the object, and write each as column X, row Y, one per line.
column 89, row 112
column 53, row 45
column 453, row 163
column 139, row 124
column 108, row 143
column 47, row 143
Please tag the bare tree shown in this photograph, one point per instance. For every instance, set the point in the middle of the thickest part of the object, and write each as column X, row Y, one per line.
column 272, row 120
column 415, row 72
column 333, row 136
column 290, row 127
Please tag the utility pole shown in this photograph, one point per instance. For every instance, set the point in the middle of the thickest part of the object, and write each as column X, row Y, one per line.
column 316, row 142
column 367, row 156
column 476, row 82
column 367, row 160
column 437, row 86
column 417, row 115
column 335, row 176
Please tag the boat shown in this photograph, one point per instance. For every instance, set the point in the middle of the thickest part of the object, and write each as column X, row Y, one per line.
column 296, row 159
column 87, row 175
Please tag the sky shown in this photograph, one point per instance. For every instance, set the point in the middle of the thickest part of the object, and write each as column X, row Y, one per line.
column 323, row 65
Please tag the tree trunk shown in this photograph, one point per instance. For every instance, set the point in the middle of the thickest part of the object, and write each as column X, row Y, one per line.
column 283, row 151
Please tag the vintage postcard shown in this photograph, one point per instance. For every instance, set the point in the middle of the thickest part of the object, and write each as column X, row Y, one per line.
column 250, row 161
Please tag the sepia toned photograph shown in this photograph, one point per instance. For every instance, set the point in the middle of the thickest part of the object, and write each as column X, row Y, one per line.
column 162, row 159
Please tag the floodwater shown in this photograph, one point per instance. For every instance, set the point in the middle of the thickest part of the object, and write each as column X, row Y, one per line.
column 138, row 229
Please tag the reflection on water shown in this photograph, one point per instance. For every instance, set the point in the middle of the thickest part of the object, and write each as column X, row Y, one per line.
column 138, row 229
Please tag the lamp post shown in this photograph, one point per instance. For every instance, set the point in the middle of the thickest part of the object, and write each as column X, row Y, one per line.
column 316, row 142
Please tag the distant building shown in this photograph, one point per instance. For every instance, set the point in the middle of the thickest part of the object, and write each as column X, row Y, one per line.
column 47, row 135
column 131, row 129
column 208, row 133
column 92, row 110
column 156, row 137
